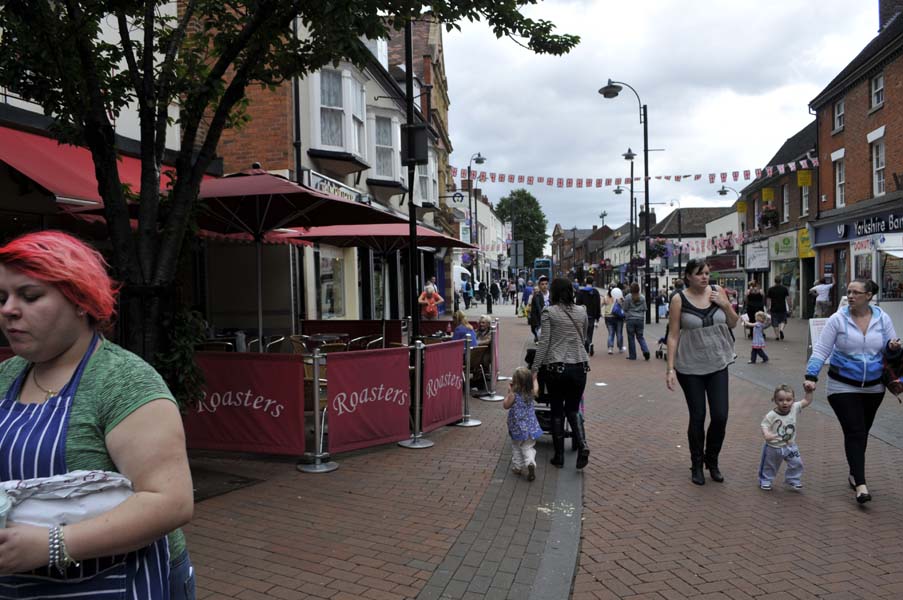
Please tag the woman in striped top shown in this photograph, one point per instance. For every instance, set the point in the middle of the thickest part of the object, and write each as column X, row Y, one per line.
column 561, row 354
column 72, row 400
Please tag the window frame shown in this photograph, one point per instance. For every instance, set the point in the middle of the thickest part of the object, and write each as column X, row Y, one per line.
column 804, row 200
column 354, row 127
column 321, row 107
column 838, row 115
column 839, row 183
column 879, row 92
column 393, row 170
column 785, row 203
column 874, row 147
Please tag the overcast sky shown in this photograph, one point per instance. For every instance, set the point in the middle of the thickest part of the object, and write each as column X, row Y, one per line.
column 726, row 83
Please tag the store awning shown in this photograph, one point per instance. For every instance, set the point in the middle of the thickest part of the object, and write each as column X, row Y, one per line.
column 66, row 172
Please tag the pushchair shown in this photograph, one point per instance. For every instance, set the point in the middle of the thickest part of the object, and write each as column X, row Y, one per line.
column 662, row 351
column 542, row 405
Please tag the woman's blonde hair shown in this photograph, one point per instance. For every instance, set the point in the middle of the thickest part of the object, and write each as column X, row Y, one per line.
column 459, row 318
column 522, row 381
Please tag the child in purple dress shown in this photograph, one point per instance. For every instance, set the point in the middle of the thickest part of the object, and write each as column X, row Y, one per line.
column 523, row 427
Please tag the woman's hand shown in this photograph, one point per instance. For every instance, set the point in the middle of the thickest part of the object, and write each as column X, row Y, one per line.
column 809, row 386
column 671, row 379
column 720, row 298
column 23, row 548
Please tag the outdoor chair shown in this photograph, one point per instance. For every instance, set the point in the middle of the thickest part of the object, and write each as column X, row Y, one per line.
column 309, row 389
column 375, row 343
column 336, row 347
column 478, row 355
column 299, row 344
column 362, row 342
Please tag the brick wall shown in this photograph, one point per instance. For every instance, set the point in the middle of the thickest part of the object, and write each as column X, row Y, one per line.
column 858, row 122
column 267, row 137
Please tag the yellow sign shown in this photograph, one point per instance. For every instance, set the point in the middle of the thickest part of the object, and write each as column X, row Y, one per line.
column 804, row 178
column 741, row 207
column 767, row 194
column 804, row 244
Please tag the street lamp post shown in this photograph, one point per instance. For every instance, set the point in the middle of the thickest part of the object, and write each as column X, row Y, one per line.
column 471, row 206
column 611, row 90
column 602, row 216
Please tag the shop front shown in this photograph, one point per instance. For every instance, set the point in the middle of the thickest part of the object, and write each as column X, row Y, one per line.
column 783, row 255
column 868, row 247
column 757, row 262
column 726, row 272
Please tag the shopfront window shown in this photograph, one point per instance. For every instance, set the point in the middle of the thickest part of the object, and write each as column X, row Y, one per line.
column 332, row 285
column 862, row 266
column 891, row 274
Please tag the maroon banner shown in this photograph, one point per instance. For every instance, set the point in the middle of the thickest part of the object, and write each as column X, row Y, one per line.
column 252, row 403
column 443, row 384
column 369, row 398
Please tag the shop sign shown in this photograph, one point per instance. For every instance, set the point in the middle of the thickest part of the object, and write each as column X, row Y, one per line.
column 783, row 246
column 757, row 256
column 890, row 222
column 722, row 262
column 804, row 244
column 334, row 188
column 863, row 245
column 741, row 207
column 767, row 195
column 804, row 178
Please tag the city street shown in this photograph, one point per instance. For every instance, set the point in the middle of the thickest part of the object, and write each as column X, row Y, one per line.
column 451, row 521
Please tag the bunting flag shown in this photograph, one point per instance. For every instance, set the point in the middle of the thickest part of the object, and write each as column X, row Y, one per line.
column 587, row 182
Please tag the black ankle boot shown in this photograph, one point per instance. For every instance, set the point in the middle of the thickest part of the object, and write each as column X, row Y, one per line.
column 576, row 423
column 714, row 472
column 558, row 441
column 574, row 445
column 697, row 475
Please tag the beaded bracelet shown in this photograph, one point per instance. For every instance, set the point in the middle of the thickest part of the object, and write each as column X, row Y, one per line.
column 58, row 556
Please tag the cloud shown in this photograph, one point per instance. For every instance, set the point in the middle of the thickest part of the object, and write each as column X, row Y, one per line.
column 726, row 83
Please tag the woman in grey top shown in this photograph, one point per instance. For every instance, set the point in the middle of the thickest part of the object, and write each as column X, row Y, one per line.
column 700, row 348
column 635, row 312
column 561, row 355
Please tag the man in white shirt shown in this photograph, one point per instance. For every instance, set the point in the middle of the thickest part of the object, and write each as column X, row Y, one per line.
column 822, row 291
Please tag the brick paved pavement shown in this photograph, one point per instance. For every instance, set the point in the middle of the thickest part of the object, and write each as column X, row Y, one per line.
column 393, row 523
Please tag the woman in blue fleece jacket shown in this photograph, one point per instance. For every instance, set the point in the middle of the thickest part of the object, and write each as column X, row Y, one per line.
column 855, row 337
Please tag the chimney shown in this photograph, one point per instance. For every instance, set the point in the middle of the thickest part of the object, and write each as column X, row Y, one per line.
column 641, row 219
column 594, row 227
column 887, row 10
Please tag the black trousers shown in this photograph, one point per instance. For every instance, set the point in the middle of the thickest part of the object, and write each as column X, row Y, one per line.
column 698, row 390
column 856, row 413
column 565, row 389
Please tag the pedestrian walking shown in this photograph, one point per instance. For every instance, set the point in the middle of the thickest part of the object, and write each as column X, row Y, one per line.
column 856, row 338
column 589, row 297
column 635, row 315
column 758, row 337
column 102, row 409
column 562, row 356
column 467, row 292
column 777, row 299
column 526, row 295
column 523, row 426
column 615, row 320
column 700, row 348
column 822, row 293
column 779, row 430
column 538, row 301
column 512, row 292
column 755, row 302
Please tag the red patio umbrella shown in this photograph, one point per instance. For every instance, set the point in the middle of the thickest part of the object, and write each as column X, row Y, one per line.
column 256, row 202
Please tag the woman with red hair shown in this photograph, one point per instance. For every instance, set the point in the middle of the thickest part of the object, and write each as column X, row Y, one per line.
column 71, row 401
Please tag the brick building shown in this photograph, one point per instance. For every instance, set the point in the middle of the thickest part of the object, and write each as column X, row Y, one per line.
column 858, row 227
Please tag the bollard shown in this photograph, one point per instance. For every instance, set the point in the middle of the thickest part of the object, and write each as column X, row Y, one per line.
column 318, row 462
column 490, row 395
column 499, row 376
column 467, row 421
column 417, row 440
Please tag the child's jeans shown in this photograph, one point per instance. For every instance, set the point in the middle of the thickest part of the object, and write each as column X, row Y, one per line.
column 523, row 453
column 771, row 463
column 615, row 329
column 758, row 352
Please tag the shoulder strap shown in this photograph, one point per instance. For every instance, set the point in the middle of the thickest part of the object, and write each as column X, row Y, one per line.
column 577, row 327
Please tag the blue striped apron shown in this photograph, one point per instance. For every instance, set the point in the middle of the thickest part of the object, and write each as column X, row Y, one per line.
column 33, row 444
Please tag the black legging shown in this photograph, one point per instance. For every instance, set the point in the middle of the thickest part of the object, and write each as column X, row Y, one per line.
column 566, row 389
column 856, row 413
column 697, row 388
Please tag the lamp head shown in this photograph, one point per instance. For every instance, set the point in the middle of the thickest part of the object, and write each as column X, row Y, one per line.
column 722, row 191
column 618, row 190
column 603, row 214
column 610, row 90
column 629, row 155
column 479, row 159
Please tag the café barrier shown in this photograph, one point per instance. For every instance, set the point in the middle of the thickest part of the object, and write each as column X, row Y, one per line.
column 441, row 381
column 251, row 403
column 467, row 421
column 319, row 461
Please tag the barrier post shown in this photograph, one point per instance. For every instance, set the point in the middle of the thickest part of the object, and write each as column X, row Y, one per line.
column 500, row 377
column 417, row 441
column 319, row 461
column 491, row 395
column 467, row 421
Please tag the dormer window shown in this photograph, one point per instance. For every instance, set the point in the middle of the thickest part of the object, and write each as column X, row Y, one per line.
column 838, row 115
column 877, row 86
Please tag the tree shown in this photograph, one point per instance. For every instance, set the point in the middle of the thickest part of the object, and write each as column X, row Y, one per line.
column 200, row 60
column 528, row 222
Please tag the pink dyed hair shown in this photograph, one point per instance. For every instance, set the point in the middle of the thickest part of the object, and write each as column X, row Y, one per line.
column 77, row 270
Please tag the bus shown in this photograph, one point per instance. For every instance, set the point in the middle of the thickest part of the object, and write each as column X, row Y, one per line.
column 542, row 266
